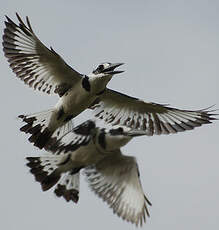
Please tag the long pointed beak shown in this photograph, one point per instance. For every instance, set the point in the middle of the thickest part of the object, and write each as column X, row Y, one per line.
column 111, row 68
column 135, row 133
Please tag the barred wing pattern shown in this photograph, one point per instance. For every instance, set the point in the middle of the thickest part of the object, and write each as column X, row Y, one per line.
column 34, row 63
column 70, row 141
column 116, row 180
column 44, row 170
column 155, row 119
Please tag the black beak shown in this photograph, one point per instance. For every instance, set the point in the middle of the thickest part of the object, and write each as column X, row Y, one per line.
column 130, row 133
column 111, row 68
column 135, row 133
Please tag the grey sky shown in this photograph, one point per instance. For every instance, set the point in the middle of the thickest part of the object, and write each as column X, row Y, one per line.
column 171, row 51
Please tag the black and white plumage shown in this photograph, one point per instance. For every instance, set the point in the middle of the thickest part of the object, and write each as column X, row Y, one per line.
column 111, row 175
column 47, row 170
column 116, row 108
column 45, row 70
column 115, row 179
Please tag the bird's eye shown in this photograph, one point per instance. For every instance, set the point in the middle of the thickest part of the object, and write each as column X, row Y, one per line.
column 120, row 130
column 100, row 68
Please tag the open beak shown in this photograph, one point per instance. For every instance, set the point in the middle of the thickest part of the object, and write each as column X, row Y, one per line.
column 135, row 133
column 111, row 69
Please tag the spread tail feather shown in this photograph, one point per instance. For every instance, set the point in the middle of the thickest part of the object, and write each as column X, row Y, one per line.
column 68, row 187
column 38, row 125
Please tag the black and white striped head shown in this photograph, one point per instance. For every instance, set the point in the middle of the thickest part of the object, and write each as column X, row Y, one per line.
column 97, row 81
column 107, row 68
column 116, row 137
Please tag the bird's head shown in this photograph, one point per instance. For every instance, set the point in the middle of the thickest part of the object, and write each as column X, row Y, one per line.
column 101, row 75
column 117, row 136
column 107, row 69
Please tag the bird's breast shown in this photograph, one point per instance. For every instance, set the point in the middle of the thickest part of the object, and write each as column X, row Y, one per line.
column 76, row 100
column 86, row 155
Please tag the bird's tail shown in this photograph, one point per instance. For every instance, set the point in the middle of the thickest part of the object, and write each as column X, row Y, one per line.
column 40, row 128
column 47, row 172
column 68, row 187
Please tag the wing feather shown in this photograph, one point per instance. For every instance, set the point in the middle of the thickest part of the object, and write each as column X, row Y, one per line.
column 71, row 140
column 116, row 180
column 39, row 67
column 155, row 119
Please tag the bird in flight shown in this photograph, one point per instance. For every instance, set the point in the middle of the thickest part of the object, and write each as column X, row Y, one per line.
column 111, row 175
column 43, row 69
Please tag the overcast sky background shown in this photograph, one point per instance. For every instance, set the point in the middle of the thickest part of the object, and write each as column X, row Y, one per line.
column 171, row 55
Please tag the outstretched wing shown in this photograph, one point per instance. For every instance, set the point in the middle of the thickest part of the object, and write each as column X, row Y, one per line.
column 39, row 67
column 117, row 108
column 116, row 180
column 70, row 141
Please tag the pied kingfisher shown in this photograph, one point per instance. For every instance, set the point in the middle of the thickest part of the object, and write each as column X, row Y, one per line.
column 112, row 176
column 43, row 69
